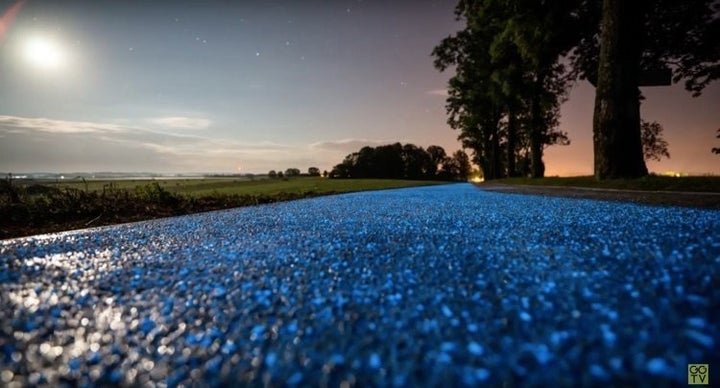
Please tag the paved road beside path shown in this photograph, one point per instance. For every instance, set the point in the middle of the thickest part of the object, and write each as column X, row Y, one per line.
column 663, row 198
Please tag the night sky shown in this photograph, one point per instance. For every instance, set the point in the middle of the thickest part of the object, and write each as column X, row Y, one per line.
column 217, row 86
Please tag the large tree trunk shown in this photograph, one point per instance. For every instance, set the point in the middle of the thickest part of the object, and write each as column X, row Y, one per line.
column 616, row 121
column 537, row 123
column 511, row 142
column 496, row 156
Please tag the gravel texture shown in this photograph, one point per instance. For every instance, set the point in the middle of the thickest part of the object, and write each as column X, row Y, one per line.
column 445, row 285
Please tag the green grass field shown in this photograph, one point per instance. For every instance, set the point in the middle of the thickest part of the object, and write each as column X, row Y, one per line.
column 31, row 207
column 235, row 186
column 710, row 184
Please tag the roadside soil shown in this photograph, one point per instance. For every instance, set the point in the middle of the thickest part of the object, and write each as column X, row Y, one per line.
column 662, row 198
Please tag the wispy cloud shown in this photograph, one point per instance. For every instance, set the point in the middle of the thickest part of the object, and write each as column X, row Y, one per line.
column 34, row 144
column 437, row 92
column 181, row 122
column 16, row 124
column 348, row 145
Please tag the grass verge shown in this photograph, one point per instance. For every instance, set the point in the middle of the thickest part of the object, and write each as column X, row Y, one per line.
column 32, row 207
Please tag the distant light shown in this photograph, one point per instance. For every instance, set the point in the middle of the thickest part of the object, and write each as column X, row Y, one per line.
column 674, row 174
column 477, row 179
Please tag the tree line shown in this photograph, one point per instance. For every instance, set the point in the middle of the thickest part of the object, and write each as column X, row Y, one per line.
column 292, row 172
column 515, row 61
column 398, row 161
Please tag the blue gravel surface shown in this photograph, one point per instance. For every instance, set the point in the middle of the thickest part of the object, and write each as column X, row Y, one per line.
column 424, row 286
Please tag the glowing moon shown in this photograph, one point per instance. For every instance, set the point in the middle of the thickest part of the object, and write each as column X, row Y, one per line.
column 43, row 53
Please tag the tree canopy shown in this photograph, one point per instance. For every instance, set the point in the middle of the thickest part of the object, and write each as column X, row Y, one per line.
column 508, row 83
column 515, row 60
column 407, row 161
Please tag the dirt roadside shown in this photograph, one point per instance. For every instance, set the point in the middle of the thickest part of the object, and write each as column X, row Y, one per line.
column 663, row 198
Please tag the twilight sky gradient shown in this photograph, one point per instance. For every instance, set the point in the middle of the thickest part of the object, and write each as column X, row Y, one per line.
column 213, row 86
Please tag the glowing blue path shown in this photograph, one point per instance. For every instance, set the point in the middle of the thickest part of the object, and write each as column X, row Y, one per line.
column 436, row 285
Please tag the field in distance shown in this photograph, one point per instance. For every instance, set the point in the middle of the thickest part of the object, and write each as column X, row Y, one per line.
column 30, row 207
column 243, row 186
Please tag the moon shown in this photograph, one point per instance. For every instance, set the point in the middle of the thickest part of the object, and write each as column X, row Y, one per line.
column 43, row 53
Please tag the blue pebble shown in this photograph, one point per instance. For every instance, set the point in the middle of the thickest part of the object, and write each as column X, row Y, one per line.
column 374, row 361
column 475, row 348
column 147, row 325
column 295, row 379
column 657, row 366
column 525, row 316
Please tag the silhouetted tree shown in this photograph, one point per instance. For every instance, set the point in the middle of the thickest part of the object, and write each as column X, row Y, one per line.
column 272, row 174
column 417, row 163
column 399, row 161
column 457, row 167
column 314, row 171
column 437, row 157
column 716, row 150
column 290, row 172
column 388, row 161
column 325, row 173
column 616, row 120
column 346, row 168
column 511, row 74
column 509, row 82
column 636, row 37
column 654, row 146
column 280, row 174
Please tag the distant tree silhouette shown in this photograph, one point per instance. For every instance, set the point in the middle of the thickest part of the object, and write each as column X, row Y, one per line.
column 325, row 173
column 397, row 161
column 417, row 163
column 272, row 174
column 290, row 172
column 654, row 146
column 437, row 157
column 388, row 162
column 455, row 168
column 716, row 150
column 280, row 174
column 314, row 171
